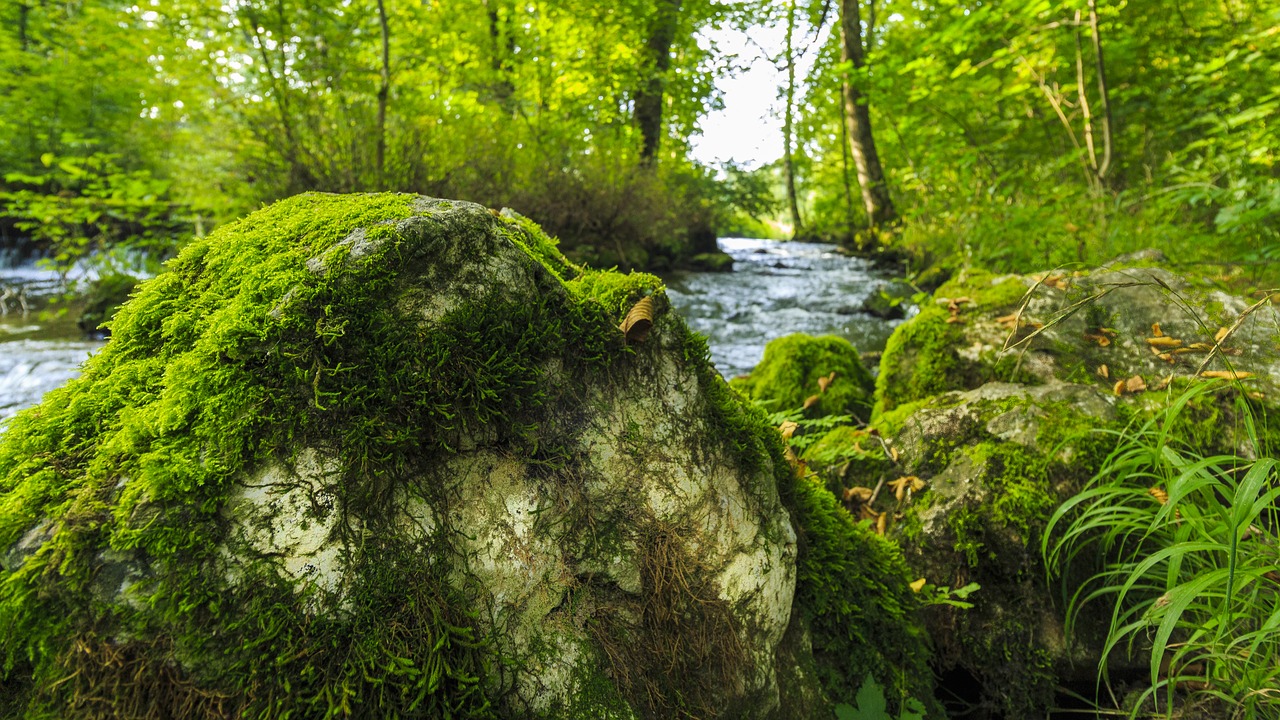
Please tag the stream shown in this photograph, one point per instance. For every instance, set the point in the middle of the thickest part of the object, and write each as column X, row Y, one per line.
column 776, row 288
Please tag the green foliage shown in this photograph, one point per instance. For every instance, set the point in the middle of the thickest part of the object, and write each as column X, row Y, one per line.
column 81, row 207
column 1189, row 546
column 792, row 366
column 871, row 705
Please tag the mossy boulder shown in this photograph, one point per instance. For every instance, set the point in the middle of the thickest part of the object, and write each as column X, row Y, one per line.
column 711, row 262
column 994, row 463
column 799, row 367
column 392, row 456
column 1101, row 328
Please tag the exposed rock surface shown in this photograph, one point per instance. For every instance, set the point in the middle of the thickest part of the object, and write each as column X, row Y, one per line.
column 394, row 454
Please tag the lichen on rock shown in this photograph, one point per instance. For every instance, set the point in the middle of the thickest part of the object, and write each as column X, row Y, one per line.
column 392, row 456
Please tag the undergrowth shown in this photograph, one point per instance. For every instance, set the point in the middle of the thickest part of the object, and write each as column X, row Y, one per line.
column 1192, row 563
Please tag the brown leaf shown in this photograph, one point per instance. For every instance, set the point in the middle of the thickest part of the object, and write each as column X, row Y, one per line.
column 903, row 484
column 860, row 494
column 811, row 401
column 1135, row 384
column 1101, row 340
column 1256, row 395
column 825, row 382
column 955, row 319
column 1104, row 372
column 882, row 523
column 961, row 300
column 1226, row 374
column 1222, row 333
column 1160, row 495
column 917, row 585
column 1167, row 357
column 893, row 454
column 1008, row 320
column 788, row 428
column 1164, row 383
column 1156, row 331
column 1119, row 387
column 916, row 484
column 638, row 321
column 1164, row 341
column 866, row 513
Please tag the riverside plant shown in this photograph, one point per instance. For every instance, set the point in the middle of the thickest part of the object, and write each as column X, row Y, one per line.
column 1191, row 549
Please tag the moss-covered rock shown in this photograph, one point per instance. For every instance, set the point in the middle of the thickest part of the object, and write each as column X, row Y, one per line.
column 711, row 262
column 1100, row 328
column 995, row 463
column 392, row 456
column 798, row 367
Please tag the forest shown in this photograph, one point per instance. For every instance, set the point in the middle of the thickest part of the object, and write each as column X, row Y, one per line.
column 1005, row 135
column 420, row 403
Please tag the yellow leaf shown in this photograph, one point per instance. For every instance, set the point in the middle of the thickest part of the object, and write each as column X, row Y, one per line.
column 1164, row 341
column 788, row 428
column 811, row 401
column 917, row 586
column 1156, row 331
column 1104, row 372
column 1222, row 333
column 1226, row 374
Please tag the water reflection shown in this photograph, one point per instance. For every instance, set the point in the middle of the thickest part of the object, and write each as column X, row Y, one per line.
column 777, row 288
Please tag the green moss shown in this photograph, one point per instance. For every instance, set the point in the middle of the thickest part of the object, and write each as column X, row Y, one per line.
column 103, row 300
column 851, row 587
column 711, row 262
column 223, row 363
column 792, row 365
column 919, row 361
column 985, row 290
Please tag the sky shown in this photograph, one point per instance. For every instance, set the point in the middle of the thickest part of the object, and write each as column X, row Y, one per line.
column 749, row 128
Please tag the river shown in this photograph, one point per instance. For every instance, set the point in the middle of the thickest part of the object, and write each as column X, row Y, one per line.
column 776, row 288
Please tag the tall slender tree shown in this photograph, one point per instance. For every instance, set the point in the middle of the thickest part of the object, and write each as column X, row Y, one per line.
column 649, row 97
column 788, row 125
column 862, row 144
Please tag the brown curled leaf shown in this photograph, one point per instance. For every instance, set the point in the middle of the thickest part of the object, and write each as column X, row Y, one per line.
column 1104, row 372
column 1135, row 384
column 811, row 401
column 859, row 494
column 638, row 321
column 788, row 428
column 1101, row 340
column 1119, row 387
column 1160, row 495
column 1226, row 374
column 1164, row 341
column 1156, row 331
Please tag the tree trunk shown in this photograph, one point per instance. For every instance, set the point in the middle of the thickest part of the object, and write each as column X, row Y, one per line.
column 648, row 113
column 875, row 192
column 503, row 48
column 384, row 92
column 788, row 126
column 1100, row 69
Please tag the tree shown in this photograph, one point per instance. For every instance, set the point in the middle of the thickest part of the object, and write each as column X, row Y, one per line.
column 649, row 97
column 862, row 144
column 788, row 125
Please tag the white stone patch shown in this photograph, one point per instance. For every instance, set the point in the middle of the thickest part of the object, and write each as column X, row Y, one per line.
column 288, row 514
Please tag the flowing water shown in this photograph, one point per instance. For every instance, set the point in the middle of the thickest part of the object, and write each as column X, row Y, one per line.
column 777, row 288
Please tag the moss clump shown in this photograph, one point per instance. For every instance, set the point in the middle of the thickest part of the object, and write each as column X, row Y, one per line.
column 226, row 362
column 921, row 359
column 711, row 262
column 792, row 366
column 851, row 589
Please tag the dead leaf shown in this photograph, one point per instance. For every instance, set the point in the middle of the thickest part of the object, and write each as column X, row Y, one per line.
column 860, row 494
column 1156, row 331
column 882, row 523
column 811, row 401
column 1200, row 346
column 903, row 484
column 893, row 454
column 1256, row 395
column 1164, row 383
column 1135, row 384
column 1008, row 320
column 638, row 321
column 1104, row 372
column 1160, row 495
column 916, row 484
column 825, row 382
column 962, row 300
column 955, row 319
column 1164, row 341
column 1119, row 388
column 1109, row 332
column 1101, row 340
column 1167, row 357
column 866, row 513
column 1222, row 333
column 917, row 585
column 1226, row 374
column 788, row 428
